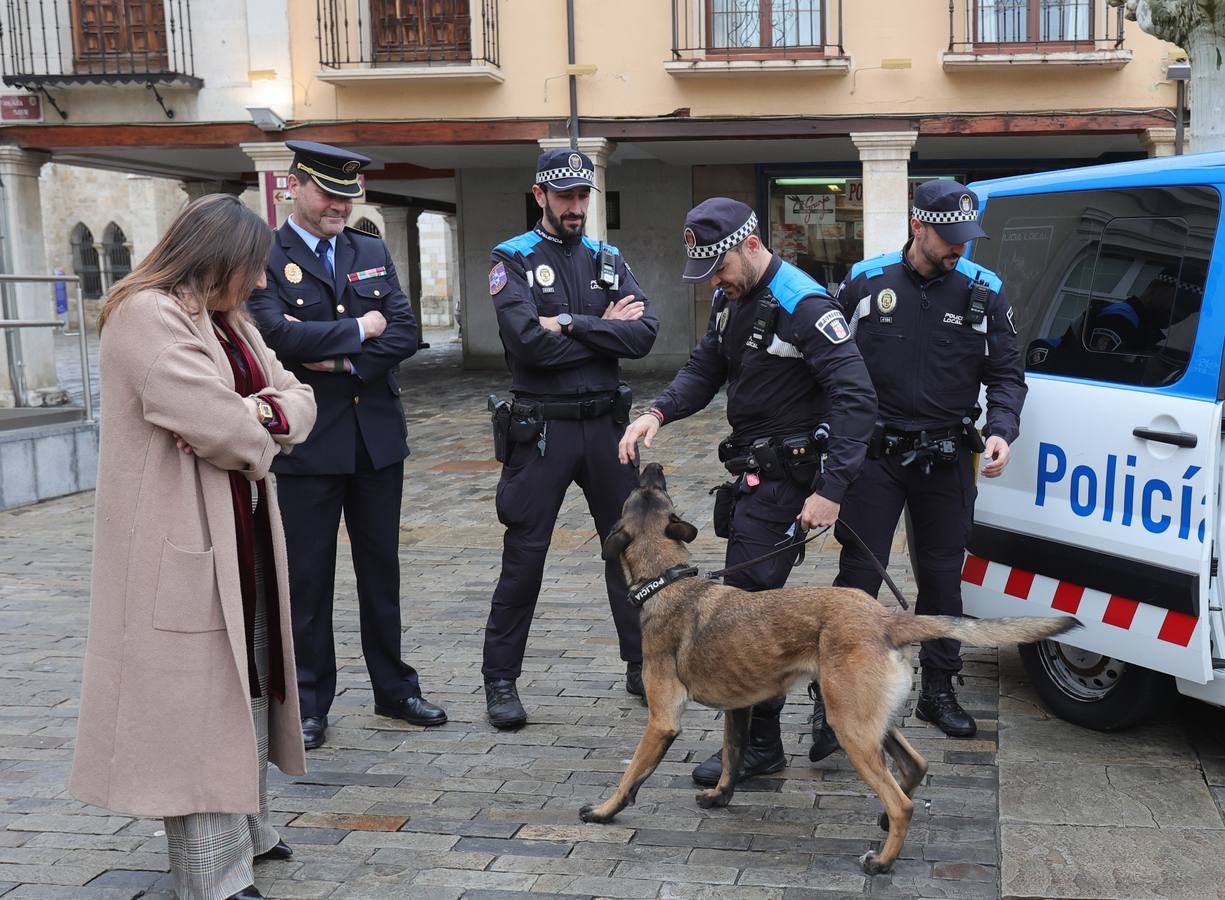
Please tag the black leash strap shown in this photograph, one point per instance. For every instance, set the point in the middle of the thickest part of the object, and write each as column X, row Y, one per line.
column 714, row 576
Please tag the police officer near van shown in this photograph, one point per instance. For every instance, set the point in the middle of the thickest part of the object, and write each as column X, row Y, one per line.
column 569, row 310
column 794, row 377
column 933, row 328
column 336, row 316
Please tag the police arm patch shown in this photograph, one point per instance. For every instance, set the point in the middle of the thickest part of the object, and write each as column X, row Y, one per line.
column 834, row 327
column 497, row 278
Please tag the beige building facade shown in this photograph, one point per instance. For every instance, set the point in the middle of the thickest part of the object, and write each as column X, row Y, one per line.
column 822, row 114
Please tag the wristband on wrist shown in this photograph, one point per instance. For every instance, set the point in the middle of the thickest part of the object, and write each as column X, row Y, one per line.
column 654, row 411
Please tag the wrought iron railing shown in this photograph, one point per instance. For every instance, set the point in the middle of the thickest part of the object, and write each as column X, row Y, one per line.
column 364, row 33
column 63, row 42
column 1019, row 26
column 756, row 29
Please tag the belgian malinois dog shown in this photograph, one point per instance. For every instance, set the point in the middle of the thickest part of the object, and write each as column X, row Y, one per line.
column 728, row 649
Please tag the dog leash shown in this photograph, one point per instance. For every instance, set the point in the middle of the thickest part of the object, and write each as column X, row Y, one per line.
column 714, row 576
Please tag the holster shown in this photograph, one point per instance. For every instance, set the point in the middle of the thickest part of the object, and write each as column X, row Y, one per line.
column 499, row 417
column 623, row 399
column 725, row 505
column 526, row 422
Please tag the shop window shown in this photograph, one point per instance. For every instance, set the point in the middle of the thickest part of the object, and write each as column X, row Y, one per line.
column 1105, row 285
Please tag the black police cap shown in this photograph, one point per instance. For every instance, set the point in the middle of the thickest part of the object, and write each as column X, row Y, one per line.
column 712, row 228
column 562, row 169
column 950, row 208
column 333, row 169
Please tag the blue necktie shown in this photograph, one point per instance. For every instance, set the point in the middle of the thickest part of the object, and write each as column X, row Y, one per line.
column 321, row 250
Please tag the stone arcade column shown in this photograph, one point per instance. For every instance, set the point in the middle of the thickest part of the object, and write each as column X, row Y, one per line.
column 404, row 243
column 30, row 352
column 271, row 159
column 1160, row 141
column 599, row 149
column 886, row 199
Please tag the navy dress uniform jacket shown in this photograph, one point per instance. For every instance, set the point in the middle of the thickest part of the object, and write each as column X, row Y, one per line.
column 368, row 400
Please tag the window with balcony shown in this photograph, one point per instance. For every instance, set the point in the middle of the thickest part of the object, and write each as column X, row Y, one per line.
column 1026, row 21
column 757, row 35
column 1008, row 33
column 109, row 34
column 417, row 30
column 758, row 25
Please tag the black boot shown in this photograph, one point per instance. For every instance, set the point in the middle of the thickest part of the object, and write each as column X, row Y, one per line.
column 502, row 704
column 633, row 681
column 824, row 741
column 763, row 755
column 938, row 705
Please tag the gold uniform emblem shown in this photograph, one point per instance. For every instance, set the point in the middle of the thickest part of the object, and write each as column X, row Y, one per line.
column 293, row 273
column 544, row 276
column 886, row 300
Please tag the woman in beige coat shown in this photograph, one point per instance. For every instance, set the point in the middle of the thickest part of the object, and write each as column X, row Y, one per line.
column 189, row 684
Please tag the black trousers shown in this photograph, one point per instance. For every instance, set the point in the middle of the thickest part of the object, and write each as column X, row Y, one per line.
column 760, row 522
column 941, row 505
column 311, row 507
column 530, row 494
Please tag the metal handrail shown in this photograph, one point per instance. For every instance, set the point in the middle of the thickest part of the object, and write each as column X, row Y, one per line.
column 86, row 380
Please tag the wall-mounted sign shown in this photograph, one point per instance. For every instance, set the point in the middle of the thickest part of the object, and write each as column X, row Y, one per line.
column 808, row 209
column 21, row 108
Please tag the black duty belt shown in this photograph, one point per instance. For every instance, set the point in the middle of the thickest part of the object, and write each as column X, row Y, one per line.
column 898, row 442
column 589, row 408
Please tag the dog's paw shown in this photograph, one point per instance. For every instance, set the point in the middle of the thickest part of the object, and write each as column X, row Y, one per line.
column 871, row 864
column 713, row 799
column 883, row 821
column 588, row 814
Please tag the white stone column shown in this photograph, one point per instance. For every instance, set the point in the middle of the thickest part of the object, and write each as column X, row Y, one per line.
column 453, row 272
column 33, row 355
column 599, row 150
column 885, row 156
column 1160, row 141
column 272, row 159
column 404, row 245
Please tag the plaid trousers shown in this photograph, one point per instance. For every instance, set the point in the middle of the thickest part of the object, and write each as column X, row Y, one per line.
column 212, row 854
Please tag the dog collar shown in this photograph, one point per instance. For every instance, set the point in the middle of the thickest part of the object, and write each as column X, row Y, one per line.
column 641, row 592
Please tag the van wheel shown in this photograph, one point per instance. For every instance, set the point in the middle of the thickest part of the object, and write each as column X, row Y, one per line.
column 1092, row 690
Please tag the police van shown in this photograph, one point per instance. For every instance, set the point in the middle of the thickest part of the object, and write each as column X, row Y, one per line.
column 1111, row 508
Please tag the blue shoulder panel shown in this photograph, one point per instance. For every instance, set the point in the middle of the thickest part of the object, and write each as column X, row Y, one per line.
column 1123, row 310
column 975, row 272
column 876, row 265
column 594, row 246
column 522, row 244
column 791, row 285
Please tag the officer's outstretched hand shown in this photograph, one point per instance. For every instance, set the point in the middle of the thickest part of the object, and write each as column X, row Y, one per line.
column 644, row 428
column 995, row 456
column 818, row 511
column 627, row 309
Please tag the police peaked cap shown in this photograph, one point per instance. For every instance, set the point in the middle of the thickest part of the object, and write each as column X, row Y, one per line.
column 950, row 208
column 562, row 169
column 333, row 169
column 712, row 228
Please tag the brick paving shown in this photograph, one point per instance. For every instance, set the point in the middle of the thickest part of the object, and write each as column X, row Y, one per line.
column 390, row 810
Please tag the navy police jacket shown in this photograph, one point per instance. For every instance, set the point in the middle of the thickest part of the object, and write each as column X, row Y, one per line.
column 366, row 402
column 927, row 359
column 809, row 372
column 537, row 274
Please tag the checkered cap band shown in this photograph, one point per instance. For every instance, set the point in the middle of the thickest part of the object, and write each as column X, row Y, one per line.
column 944, row 218
column 724, row 244
column 1179, row 284
column 565, row 172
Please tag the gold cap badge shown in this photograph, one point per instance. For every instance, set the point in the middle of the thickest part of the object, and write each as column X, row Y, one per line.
column 293, row 273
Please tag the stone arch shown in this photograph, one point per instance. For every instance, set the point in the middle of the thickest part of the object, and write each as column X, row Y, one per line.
column 85, row 262
column 117, row 252
column 368, row 226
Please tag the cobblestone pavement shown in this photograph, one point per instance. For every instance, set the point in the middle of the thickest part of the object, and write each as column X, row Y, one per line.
column 388, row 810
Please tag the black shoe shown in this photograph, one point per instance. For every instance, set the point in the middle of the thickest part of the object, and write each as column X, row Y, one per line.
column 633, row 681
column 314, row 730
column 938, row 705
column 247, row 893
column 413, row 710
column 762, row 756
column 824, row 741
column 502, row 704
column 281, row 851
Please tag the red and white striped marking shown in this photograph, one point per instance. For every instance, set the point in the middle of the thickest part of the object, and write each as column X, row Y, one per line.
column 1088, row 605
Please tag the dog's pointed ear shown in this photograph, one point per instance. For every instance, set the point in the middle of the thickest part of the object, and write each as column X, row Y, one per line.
column 680, row 530
column 615, row 544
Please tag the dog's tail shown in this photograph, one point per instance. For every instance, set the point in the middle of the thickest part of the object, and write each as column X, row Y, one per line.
column 906, row 629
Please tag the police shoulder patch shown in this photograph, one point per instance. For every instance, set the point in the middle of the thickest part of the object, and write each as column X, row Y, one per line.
column 834, row 327
column 497, row 278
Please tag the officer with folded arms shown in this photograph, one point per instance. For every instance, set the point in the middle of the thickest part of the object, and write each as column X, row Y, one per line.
column 933, row 328
column 569, row 310
column 793, row 373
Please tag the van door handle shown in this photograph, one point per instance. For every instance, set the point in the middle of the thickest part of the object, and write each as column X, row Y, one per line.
column 1177, row 438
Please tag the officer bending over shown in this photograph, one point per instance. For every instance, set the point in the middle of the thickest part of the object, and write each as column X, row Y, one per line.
column 569, row 310
column 784, row 350
column 932, row 328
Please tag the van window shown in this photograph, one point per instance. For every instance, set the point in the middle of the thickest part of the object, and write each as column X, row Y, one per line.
column 1106, row 285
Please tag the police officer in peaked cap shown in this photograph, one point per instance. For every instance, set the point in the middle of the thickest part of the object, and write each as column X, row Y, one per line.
column 793, row 375
column 933, row 328
column 569, row 310
column 336, row 316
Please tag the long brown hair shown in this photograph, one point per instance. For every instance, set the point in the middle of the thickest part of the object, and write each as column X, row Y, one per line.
column 215, row 238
